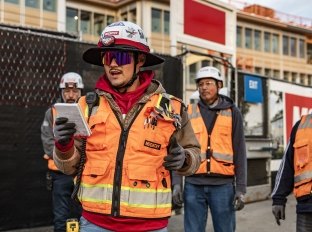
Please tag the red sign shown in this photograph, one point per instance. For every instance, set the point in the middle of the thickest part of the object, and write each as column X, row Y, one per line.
column 295, row 107
column 204, row 22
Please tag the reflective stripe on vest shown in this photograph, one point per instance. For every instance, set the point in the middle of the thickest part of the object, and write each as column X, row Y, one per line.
column 303, row 158
column 140, row 197
column 221, row 161
column 145, row 189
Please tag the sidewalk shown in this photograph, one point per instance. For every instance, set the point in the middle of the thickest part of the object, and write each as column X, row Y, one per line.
column 255, row 217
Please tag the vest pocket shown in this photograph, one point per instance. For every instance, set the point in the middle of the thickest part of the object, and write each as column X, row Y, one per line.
column 97, row 123
column 96, row 182
column 141, row 193
column 302, row 153
column 197, row 131
column 153, row 142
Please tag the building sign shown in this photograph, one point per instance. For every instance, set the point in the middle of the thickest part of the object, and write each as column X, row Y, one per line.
column 295, row 107
column 203, row 21
column 253, row 89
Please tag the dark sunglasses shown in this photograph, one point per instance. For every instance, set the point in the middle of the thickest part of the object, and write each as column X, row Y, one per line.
column 121, row 57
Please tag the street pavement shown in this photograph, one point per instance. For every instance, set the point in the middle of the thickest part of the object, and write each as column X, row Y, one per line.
column 255, row 217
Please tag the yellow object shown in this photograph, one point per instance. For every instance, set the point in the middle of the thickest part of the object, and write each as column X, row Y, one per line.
column 72, row 225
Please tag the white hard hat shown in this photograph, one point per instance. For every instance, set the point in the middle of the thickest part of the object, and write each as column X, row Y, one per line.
column 71, row 79
column 209, row 72
column 125, row 36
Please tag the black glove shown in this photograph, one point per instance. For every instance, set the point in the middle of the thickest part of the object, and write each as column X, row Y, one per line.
column 177, row 197
column 238, row 201
column 279, row 213
column 63, row 131
column 176, row 157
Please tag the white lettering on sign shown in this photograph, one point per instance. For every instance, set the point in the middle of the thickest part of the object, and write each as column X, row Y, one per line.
column 297, row 113
column 253, row 84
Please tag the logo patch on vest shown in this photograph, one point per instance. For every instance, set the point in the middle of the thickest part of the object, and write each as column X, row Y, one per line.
column 152, row 145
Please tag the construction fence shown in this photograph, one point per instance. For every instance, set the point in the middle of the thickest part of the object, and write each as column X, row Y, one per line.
column 31, row 65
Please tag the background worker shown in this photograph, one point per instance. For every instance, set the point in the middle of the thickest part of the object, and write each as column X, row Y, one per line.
column 220, row 182
column 60, row 184
column 294, row 175
column 139, row 134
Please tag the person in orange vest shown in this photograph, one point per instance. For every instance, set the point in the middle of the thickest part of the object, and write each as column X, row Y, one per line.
column 60, row 184
column 220, row 182
column 139, row 134
column 294, row 175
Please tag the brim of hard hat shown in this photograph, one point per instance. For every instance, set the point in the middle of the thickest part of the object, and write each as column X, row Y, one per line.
column 93, row 55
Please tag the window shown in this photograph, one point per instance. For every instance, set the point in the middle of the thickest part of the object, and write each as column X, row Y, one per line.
column 294, row 77
column 239, row 37
column 192, row 75
column 32, row 3
column 49, row 5
column 99, row 23
column 257, row 40
column 302, row 78
column 301, row 48
column 166, row 22
column 205, row 63
column 124, row 16
column 267, row 72
column 309, row 53
column 156, row 20
column 248, row 38
column 71, row 20
column 85, row 22
column 216, row 64
column 275, row 43
column 12, row 1
column 309, row 80
column 110, row 20
column 276, row 73
column 285, row 75
column 132, row 15
column 258, row 70
column 160, row 21
column 285, row 45
column 267, row 42
column 293, row 46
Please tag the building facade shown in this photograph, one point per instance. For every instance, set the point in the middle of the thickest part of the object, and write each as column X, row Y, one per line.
column 249, row 44
column 274, row 44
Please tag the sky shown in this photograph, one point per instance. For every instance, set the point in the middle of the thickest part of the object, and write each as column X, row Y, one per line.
column 302, row 8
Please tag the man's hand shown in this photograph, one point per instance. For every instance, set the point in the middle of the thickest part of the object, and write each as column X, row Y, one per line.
column 177, row 196
column 63, row 131
column 238, row 201
column 176, row 157
column 279, row 213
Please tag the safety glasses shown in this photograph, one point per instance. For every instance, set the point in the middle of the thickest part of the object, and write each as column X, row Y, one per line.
column 121, row 57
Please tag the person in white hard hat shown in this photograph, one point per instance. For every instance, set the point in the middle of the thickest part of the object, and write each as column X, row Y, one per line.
column 139, row 134
column 220, row 182
column 61, row 185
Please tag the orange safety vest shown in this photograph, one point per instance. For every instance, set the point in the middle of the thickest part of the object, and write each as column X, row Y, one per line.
column 123, row 174
column 303, row 158
column 221, row 160
column 51, row 164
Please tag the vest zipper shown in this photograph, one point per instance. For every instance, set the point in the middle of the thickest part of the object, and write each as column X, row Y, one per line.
column 119, row 164
column 208, row 155
column 118, row 173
